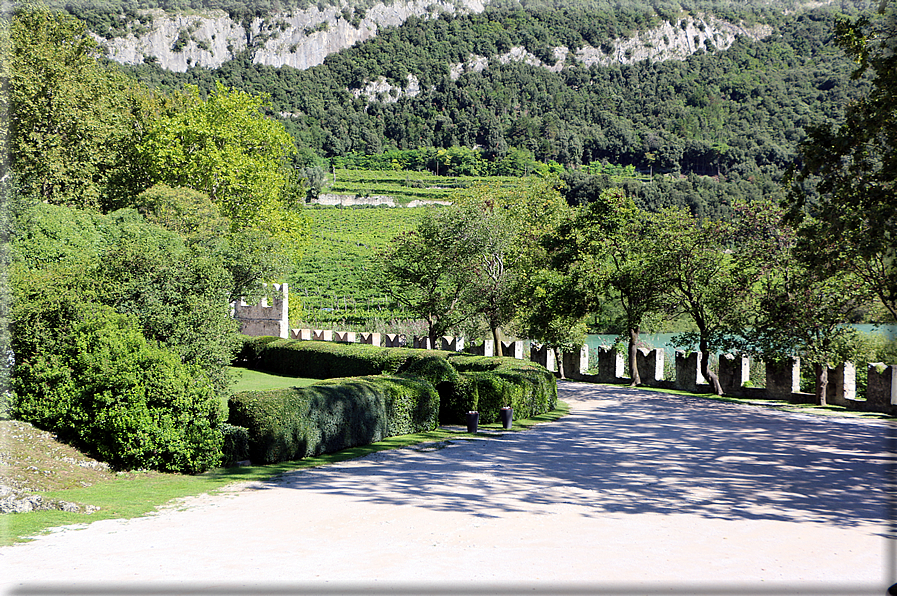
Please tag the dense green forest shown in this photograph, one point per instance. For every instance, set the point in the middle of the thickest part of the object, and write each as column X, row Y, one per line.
column 735, row 115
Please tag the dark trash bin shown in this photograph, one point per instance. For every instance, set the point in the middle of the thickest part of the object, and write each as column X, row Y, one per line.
column 473, row 420
column 507, row 417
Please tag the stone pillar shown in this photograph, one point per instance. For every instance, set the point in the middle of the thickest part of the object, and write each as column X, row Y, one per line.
column 322, row 335
column 396, row 340
column 881, row 388
column 688, row 371
column 842, row 384
column 301, row 334
column 610, row 365
column 263, row 319
column 422, row 343
column 372, row 339
column 543, row 355
column 512, row 349
column 734, row 372
column 451, row 344
column 487, row 348
column 344, row 337
column 650, row 366
column 783, row 378
column 576, row 363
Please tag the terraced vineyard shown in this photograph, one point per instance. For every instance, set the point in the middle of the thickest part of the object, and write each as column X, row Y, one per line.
column 404, row 186
column 334, row 281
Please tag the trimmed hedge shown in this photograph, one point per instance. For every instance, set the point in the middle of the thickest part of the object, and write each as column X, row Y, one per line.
column 389, row 391
column 236, row 444
column 457, row 392
column 326, row 360
column 288, row 424
column 529, row 388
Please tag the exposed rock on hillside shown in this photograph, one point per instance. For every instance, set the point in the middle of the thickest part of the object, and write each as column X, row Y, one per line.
column 673, row 41
column 667, row 42
column 381, row 90
column 301, row 38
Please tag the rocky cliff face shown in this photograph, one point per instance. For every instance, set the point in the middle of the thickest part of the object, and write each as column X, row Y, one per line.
column 669, row 41
column 301, row 38
column 673, row 41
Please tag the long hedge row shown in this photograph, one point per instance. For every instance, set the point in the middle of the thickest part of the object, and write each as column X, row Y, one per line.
column 373, row 393
column 288, row 424
column 324, row 359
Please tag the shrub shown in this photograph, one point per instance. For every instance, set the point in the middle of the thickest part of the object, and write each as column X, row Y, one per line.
column 293, row 423
column 525, row 386
column 105, row 389
column 326, row 360
column 236, row 444
column 457, row 392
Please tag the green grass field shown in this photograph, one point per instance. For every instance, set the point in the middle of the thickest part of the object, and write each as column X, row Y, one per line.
column 405, row 186
column 253, row 380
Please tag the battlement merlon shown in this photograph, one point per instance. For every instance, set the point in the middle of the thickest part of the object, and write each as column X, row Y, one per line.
column 263, row 318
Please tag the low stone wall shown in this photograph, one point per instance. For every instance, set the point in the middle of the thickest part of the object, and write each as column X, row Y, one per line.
column 782, row 378
column 881, row 388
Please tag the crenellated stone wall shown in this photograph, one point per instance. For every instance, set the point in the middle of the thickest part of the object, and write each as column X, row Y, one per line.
column 782, row 378
column 263, row 318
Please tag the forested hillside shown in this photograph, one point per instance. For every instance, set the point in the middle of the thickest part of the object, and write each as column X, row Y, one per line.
column 736, row 115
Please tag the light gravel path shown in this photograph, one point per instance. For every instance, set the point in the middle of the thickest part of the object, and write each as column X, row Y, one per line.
column 634, row 492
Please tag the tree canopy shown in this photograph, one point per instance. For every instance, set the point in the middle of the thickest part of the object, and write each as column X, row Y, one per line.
column 848, row 178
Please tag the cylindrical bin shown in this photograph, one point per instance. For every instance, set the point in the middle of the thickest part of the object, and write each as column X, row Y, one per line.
column 507, row 417
column 473, row 420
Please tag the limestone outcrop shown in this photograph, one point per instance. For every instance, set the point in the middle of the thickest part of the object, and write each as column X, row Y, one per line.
column 300, row 38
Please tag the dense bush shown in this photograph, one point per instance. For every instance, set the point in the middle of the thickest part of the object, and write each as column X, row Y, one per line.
column 102, row 387
column 236, row 444
column 293, row 423
column 121, row 333
column 457, row 392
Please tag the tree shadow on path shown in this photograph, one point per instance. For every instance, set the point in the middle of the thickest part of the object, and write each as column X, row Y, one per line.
column 629, row 451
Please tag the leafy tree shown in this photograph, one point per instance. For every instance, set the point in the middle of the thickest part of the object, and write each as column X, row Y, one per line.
column 805, row 313
column 226, row 148
column 508, row 225
column 853, row 165
column 704, row 280
column 800, row 310
column 177, row 293
column 608, row 247
column 249, row 255
column 7, row 195
column 427, row 269
column 552, row 312
column 69, row 117
column 188, row 212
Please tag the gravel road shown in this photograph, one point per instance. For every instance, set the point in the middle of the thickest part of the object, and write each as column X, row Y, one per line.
column 634, row 492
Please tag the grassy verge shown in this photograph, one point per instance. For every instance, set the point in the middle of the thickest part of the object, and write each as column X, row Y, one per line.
column 133, row 494
column 253, row 380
